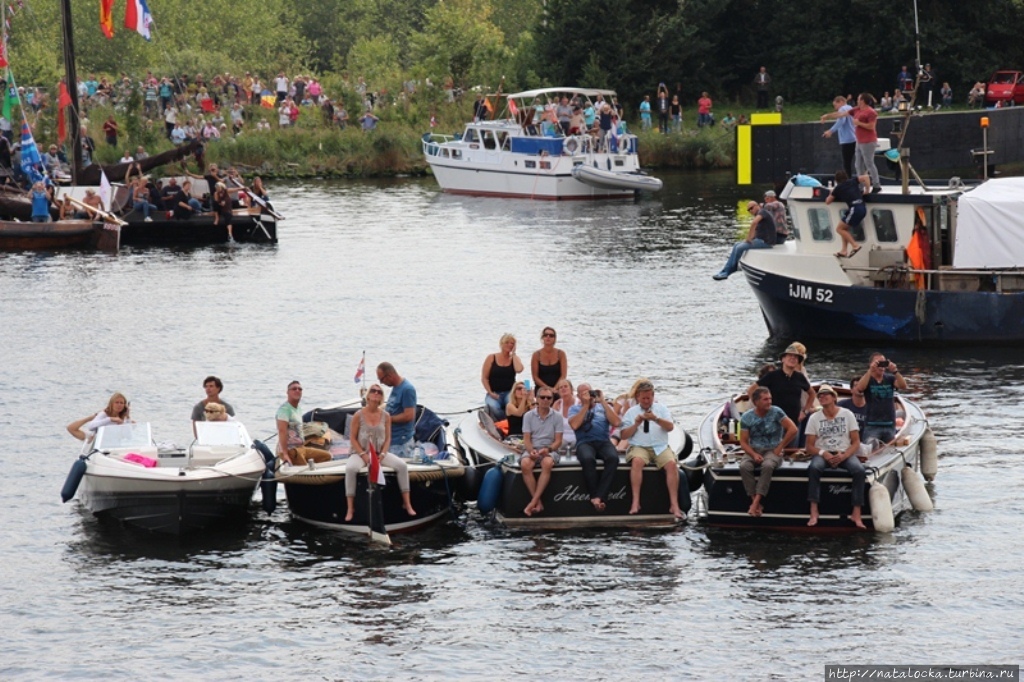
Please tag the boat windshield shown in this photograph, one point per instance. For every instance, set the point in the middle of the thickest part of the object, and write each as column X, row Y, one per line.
column 116, row 436
column 221, row 433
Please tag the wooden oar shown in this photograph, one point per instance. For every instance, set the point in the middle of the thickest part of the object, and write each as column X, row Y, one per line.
column 109, row 217
column 263, row 204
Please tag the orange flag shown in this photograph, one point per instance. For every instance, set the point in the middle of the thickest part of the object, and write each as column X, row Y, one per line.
column 63, row 102
column 107, row 17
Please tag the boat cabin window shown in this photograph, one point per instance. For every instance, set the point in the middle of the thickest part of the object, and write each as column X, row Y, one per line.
column 503, row 141
column 114, row 436
column 619, row 162
column 487, row 137
column 456, row 153
column 471, row 135
column 885, row 225
column 530, row 164
column 820, row 224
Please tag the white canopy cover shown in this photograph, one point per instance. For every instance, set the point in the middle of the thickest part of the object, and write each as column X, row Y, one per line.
column 990, row 226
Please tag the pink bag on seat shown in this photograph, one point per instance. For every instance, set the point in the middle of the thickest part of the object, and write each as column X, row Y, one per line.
column 147, row 462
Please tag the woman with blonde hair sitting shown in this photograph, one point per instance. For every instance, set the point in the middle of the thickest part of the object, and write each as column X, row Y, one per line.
column 519, row 403
column 117, row 411
column 373, row 425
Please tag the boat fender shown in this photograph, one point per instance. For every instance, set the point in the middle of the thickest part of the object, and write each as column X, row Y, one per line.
column 694, row 471
column 881, row 508
column 687, row 448
column 571, row 145
column 73, row 480
column 685, row 501
column 490, row 490
column 268, row 486
column 916, row 491
column 929, row 455
column 469, row 484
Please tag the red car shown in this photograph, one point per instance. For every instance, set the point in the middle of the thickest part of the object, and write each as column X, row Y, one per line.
column 1005, row 86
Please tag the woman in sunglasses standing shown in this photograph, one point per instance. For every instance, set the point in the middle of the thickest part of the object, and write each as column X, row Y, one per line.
column 373, row 425
column 549, row 364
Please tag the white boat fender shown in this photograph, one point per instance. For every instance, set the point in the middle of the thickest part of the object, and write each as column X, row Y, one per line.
column 268, row 484
column 490, row 490
column 571, row 145
column 881, row 508
column 929, row 455
column 916, row 491
column 73, row 480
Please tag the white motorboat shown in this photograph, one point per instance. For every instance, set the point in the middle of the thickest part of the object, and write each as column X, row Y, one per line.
column 893, row 484
column 513, row 157
column 123, row 474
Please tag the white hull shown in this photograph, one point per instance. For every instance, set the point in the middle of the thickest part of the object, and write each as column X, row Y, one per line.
column 508, row 178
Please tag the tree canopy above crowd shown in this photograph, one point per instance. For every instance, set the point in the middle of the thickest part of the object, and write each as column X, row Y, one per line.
column 812, row 50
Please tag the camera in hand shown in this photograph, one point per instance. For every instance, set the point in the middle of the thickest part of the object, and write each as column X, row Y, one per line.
column 883, row 363
column 594, row 394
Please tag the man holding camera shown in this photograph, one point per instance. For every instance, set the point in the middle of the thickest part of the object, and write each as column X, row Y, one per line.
column 833, row 437
column 878, row 385
column 591, row 420
column 646, row 426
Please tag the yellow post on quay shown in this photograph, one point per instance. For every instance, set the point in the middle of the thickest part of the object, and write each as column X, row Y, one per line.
column 744, row 148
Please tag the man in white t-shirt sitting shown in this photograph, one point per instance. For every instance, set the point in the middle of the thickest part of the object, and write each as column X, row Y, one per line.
column 833, row 437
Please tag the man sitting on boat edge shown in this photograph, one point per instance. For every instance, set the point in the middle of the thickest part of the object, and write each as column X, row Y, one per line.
column 542, row 436
column 765, row 432
column 648, row 427
column 591, row 421
column 760, row 236
column 878, row 385
column 833, row 437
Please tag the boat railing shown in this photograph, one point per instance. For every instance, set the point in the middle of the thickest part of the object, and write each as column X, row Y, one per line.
column 900, row 276
column 432, row 143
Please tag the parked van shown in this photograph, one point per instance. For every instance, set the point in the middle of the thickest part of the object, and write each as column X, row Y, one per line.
column 1005, row 87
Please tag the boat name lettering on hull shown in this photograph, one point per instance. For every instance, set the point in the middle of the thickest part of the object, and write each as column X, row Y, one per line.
column 572, row 493
column 840, row 490
column 806, row 292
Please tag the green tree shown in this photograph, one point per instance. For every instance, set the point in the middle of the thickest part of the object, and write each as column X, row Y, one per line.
column 459, row 40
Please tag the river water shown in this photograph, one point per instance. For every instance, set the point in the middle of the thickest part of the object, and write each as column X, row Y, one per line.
column 430, row 282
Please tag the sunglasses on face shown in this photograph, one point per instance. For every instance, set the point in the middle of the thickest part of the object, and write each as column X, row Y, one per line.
column 546, row 335
column 376, row 390
column 544, row 397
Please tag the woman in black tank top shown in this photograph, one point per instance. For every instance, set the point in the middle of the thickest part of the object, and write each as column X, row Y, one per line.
column 499, row 374
column 549, row 364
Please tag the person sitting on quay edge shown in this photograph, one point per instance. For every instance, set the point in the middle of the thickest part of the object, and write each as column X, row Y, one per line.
column 833, row 437
column 760, row 236
column 592, row 420
column 542, row 436
column 371, row 424
column 852, row 191
column 213, row 386
column 646, row 425
column 765, row 431
column 498, row 374
column 878, row 385
column 549, row 364
column 790, row 387
column 117, row 411
column 401, row 404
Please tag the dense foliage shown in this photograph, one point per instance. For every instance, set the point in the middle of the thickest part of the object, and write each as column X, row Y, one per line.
column 812, row 50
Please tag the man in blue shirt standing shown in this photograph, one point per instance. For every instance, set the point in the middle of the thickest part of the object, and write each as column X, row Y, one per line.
column 401, row 405
column 843, row 127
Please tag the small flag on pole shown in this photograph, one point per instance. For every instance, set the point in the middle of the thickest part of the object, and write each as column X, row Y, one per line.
column 63, row 102
column 361, row 369
column 376, row 474
column 107, row 18
column 137, row 17
column 31, row 162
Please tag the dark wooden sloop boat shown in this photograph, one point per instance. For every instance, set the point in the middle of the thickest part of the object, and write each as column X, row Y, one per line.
column 246, row 227
column 893, row 483
column 566, row 499
column 316, row 492
column 58, row 236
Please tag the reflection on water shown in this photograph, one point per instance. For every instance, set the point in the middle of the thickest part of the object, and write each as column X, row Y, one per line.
column 430, row 282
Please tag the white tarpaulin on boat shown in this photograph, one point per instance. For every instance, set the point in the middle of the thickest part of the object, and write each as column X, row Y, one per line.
column 990, row 226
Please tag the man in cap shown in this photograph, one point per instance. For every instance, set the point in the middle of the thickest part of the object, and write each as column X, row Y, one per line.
column 760, row 236
column 833, row 437
column 646, row 425
column 765, row 430
column 788, row 383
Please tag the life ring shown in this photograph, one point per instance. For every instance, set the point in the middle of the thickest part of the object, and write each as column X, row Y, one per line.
column 571, row 145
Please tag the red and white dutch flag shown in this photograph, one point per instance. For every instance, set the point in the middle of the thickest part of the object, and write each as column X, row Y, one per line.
column 361, row 369
column 376, row 473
